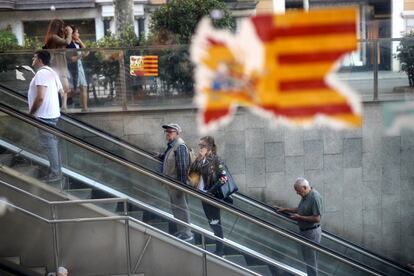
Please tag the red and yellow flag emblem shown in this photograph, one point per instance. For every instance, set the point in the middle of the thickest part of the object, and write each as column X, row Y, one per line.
column 278, row 65
column 144, row 66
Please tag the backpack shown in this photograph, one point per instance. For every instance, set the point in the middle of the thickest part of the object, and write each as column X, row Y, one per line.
column 191, row 154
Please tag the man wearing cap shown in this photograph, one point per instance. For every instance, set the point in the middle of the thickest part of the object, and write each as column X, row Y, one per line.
column 308, row 215
column 175, row 163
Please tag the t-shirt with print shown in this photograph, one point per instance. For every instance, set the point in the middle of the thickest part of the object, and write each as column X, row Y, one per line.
column 49, row 108
column 310, row 205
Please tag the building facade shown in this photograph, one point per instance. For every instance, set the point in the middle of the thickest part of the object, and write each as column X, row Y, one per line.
column 95, row 18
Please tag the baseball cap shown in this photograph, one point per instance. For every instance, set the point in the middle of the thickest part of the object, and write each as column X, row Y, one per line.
column 173, row 126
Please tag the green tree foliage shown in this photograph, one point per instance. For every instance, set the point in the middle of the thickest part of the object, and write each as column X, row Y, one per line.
column 7, row 40
column 405, row 54
column 175, row 23
column 180, row 17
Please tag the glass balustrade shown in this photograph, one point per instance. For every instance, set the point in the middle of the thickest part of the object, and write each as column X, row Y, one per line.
column 83, row 165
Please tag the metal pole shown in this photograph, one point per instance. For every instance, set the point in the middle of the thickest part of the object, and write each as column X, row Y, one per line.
column 142, row 254
column 127, row 238
column 55, row 239
column 375, row 70
column 203, row 243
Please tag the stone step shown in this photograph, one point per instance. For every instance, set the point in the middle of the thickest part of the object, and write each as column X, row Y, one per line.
column 163, row 226
column 15, row 260
column 84, row 193
column 261, row 269
column 39, row 269
column 6, row 159
column 28, row 170
column 139, row 215
column 237, row 259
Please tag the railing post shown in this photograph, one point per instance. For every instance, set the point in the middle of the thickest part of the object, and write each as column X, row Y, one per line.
column 55, row 238
column 127, row 238
column 203, row 244
column 375, row 70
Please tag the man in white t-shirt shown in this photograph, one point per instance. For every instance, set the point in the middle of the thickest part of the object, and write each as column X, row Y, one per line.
column 43, row 97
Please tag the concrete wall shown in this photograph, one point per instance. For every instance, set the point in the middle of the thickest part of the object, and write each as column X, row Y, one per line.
column 365, row 177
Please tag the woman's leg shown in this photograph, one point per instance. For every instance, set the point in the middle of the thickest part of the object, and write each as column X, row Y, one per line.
column 65, row 85
column 84, row 97
column 214, row 220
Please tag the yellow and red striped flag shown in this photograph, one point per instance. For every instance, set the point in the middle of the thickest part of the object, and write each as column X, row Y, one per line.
column 144, row 66
column 280, row 66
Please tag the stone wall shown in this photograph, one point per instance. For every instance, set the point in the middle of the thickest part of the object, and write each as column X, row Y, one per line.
column 365, row 177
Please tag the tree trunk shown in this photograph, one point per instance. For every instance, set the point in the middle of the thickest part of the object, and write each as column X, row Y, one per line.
column 124, row 15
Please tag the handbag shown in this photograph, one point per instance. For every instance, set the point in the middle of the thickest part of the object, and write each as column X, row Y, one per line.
column 227, row 188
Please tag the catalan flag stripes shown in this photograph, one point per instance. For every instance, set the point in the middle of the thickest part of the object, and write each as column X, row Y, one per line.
column 150, row 66
column 300, row 50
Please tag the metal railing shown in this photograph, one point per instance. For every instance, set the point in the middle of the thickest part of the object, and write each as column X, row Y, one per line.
column 238, row 196
column 54, row 221
column 112, row 87
column 187, row 190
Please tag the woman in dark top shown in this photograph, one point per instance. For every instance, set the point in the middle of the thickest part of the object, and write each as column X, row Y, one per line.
column 58, row 36
column 212, row 174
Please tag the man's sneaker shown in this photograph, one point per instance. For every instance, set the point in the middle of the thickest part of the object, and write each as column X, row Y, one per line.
column 185, row 237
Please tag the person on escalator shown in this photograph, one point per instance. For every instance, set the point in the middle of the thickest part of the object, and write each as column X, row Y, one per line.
column 212, row 173
column 175, row 163
column 43, row 102
column 308, row 215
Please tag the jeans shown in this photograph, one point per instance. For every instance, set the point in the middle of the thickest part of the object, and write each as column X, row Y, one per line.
column 214, row 220
column 49, row 143
column 179, row 208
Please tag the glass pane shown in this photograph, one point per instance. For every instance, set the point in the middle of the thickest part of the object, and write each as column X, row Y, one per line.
column 356, row 70
column 392, row 81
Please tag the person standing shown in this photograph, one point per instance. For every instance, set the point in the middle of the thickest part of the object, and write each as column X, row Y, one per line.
column 43, row 102
column 76, row 70
column 212, row 174
column 58, row 36
column 308, row 215
column 175, row 163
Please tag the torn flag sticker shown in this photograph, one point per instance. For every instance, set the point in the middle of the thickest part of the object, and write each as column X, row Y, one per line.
column 279, row 66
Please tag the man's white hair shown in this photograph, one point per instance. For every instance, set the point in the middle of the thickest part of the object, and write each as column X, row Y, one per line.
column 301, row 182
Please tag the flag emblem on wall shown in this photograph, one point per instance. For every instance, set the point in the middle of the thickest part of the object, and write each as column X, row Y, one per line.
column 280, row 66
column 144, row 66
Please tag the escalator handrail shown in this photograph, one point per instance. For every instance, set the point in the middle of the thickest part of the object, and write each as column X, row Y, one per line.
column 186, row 189
column 107, row 136
column 88, row 127
column 326, row 234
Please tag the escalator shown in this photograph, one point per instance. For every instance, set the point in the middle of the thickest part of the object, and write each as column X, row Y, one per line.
column 249, row 241
column 132, row 155
column 140, row 157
